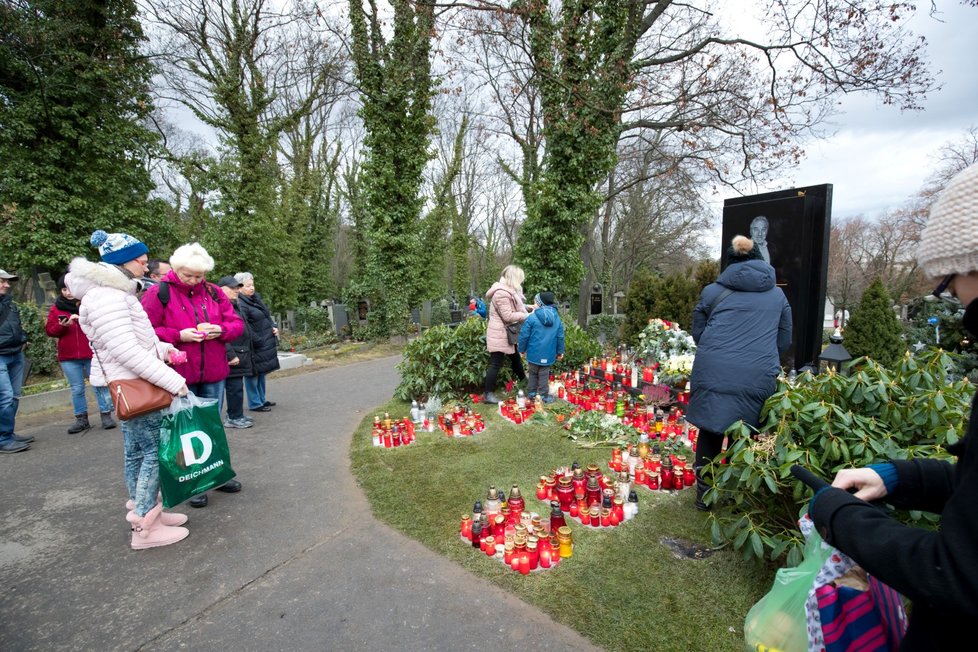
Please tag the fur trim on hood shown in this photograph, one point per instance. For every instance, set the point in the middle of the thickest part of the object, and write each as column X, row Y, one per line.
column 83, row 275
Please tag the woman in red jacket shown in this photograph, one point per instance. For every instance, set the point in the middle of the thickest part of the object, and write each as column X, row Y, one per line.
column 75, row 357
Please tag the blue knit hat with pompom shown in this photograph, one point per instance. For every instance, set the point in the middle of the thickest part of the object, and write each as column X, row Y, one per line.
column 117, row 248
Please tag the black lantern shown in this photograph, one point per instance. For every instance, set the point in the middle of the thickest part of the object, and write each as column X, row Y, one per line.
column 834, row 354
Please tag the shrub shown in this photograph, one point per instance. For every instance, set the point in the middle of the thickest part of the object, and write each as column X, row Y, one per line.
column 874, row 331
column 579, row 346
column 440, row 313
column 825, row 423
column 448, row 362
column 609, row 326
column 42, row 350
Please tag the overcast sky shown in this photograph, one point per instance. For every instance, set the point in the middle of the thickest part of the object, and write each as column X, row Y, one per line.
column 879, row 156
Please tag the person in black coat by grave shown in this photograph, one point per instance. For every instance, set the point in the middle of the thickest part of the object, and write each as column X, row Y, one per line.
column 742, row 327
column 936, row 569
column 264, row 342
column 240, row 360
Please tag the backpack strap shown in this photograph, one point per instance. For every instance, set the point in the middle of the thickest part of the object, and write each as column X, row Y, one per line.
column 164, row 292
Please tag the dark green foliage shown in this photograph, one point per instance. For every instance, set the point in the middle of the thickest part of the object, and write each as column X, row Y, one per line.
column 73, row 100
column 671, row 297
column 440, row 314
column 610, row 326
column 394, row 77
column 579, row 346
column 583, row 54
column 826, row 423
column 41, row 349
column 451, row 361
column 446, row 362
column 874, row 331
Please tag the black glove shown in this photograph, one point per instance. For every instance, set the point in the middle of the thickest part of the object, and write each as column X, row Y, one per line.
column 813, row 481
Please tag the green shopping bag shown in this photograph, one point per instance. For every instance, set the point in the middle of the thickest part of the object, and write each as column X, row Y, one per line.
column 778, row 623
column 193, row 452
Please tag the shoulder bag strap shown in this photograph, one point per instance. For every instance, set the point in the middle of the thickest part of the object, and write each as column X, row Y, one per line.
column 720, row 297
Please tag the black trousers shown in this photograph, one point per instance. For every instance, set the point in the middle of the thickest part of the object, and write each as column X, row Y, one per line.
column 708, row 446
column 496, row 359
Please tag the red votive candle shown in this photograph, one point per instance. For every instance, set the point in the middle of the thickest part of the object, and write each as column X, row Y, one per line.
column 525, row 565
column 545, row 556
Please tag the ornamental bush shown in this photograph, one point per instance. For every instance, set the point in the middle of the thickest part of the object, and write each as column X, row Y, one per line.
column 826, row 423
column 448, row 362
column 874, row 331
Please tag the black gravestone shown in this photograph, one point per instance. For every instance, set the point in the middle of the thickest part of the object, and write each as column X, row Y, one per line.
column 795, row 226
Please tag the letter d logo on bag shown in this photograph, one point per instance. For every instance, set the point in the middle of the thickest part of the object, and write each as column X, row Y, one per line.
column 189, row 456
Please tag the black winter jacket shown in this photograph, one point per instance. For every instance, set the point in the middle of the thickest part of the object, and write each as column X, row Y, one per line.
column 12, row 336
column 241, row 348
column 739, row 346
column 938, row 571
column 264, row 343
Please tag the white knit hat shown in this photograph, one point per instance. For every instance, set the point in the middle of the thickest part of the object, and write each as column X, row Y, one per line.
column 949, row 242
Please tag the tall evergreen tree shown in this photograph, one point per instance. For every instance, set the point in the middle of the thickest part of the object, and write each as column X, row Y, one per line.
column 873, row 330
column 73, row 97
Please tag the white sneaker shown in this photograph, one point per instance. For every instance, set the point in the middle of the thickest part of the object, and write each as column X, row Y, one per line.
column 238, row 423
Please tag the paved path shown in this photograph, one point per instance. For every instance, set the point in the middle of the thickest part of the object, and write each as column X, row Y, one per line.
column 293, row 562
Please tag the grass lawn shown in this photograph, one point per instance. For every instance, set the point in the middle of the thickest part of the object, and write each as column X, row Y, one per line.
column 622, row 589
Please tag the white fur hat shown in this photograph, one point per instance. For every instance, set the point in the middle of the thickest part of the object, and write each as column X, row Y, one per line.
column 193, row 257
column 949, row 242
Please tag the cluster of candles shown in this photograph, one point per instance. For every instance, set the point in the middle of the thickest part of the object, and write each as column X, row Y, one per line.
column 589, row 496
column 502, row 529
column 390, row 433
column 519, row 409
column 647, row 468
column 460, row 421
column 618, row 401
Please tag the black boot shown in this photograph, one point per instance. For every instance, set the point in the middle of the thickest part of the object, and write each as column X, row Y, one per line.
column 108, row 423
column 81, row 424
column 701, row 489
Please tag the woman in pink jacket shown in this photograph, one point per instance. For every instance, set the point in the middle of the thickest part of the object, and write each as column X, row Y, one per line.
column 506, row 306
column 196, row 317
column 126, row 347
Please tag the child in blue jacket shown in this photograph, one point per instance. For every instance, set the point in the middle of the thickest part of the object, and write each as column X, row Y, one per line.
column 542, row 342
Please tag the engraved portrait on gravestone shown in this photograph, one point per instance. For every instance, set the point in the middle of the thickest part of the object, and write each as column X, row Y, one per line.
column 758, row 233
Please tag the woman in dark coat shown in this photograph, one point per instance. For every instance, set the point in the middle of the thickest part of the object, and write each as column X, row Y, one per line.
column 742, row 327
column 264, row 342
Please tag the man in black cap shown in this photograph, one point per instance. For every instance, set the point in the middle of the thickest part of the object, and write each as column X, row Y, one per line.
column 240, row 361
column 12, row 342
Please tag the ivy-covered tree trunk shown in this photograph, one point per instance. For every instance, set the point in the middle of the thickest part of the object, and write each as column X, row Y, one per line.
column 73, row 97
column 582, row 52
column 395, row 81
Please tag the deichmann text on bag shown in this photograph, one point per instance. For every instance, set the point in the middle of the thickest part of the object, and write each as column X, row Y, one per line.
column 194, row 455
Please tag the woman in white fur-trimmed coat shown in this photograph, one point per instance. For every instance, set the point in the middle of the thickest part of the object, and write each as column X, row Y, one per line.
column 126, row 347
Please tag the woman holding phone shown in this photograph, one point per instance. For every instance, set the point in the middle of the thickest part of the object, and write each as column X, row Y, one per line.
column 194, row 316
column 75, row 358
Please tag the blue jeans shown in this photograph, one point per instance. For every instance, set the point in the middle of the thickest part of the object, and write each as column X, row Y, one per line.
column 141, row 441
column 235, row 393
column 11, row 380
column 256, row 390
column 76, row 371
column 209, row 390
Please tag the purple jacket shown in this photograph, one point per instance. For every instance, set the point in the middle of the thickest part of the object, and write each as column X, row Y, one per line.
column 189, row 306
